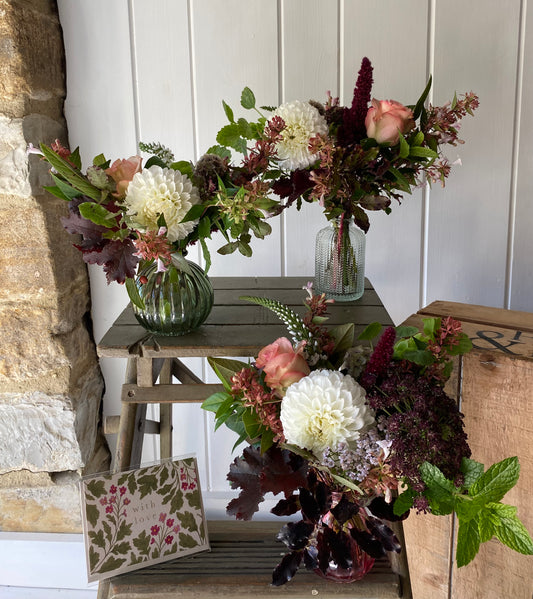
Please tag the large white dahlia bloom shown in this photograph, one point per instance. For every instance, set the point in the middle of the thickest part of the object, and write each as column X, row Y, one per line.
column 324, row 409
column 156, row 191
column 302, row 122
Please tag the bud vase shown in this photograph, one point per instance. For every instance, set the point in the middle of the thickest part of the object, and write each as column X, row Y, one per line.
column 175, row 301
column 340, row 260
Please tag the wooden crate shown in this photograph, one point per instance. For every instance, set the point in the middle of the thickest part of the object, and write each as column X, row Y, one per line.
column 496, row 394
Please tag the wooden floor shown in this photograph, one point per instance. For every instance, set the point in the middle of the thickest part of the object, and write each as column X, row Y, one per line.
column 240, row 565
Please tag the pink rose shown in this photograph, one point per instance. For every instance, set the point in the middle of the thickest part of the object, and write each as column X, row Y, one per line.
column 386, row 119
column 123, row 171
column 282, row 365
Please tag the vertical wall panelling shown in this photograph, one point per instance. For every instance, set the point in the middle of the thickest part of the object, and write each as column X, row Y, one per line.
column 394, row 38
column 521, row 290
column 235, row 45
column 469, row 219
column 310, row 68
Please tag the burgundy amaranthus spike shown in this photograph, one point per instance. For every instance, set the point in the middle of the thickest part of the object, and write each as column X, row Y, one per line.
column 380, row 358
column 353, row 126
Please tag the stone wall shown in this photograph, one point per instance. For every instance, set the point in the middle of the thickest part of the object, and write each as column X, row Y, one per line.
column 50, row 381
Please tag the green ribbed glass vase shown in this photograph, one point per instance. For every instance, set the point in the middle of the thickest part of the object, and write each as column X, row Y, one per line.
column 176, row 301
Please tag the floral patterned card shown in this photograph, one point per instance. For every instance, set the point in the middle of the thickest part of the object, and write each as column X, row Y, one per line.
column 141, row 517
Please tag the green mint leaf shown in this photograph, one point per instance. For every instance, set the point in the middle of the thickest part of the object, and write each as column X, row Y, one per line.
column 512, row 532
column 498, row 479
column 230, row 136
column 440, row 492
column 471, row 470
column 247, row 98
column 403, row 502
column 487, row 523
column 468, row 541
column 220, row 151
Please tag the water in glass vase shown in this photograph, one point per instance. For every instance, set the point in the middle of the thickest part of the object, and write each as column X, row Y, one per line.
column 340, row 261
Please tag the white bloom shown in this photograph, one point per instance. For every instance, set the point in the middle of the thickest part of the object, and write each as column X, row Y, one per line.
column 324, row 409
column 302, row 122
column 155, row 191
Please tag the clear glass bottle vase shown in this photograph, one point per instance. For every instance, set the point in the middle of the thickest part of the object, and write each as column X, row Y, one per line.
column 340, row 260
column 176, row 301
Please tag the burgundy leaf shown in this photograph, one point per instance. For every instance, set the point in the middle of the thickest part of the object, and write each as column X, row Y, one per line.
column 75, row 223
column 309, row 506
column 344, row 510
column 368, row 543
column 339, row 544
column 296, row 534
column 286, row 507
column 116, row 257
column 294, row 186
column 275, row 471
column 381, row 509
column 287, row 568
column 311, row 558
column 384, row 534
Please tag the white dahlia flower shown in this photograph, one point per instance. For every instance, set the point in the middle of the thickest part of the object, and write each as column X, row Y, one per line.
column 156, row 191
column 302, row 122
column 324, row 409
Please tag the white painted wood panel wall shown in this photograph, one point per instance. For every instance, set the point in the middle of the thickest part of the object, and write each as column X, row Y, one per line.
column 157, row 70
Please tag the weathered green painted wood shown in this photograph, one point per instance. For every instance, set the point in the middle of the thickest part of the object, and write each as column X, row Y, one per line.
column 239, row 565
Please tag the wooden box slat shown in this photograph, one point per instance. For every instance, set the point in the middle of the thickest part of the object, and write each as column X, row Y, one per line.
column 497, row 384
column 239, row 565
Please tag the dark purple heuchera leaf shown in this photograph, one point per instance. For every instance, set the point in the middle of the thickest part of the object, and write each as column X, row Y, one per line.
column 381, row 509
column 116, row 256
column 286, row 507
column 75, row 224
column 368, row 543
column 287, row 568
column 296, row 534
column 276, row 471
column 311, row 557
column 337, row 544
column 344, row 510
column 322, row 496
column 309, row 506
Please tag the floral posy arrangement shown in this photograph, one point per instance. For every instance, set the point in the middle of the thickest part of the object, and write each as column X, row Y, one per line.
column 355, row 438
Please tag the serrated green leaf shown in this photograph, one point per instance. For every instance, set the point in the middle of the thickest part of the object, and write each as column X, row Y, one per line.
column 420, row 357
column 97, row 214
column 497, row 480
column 142, row 542
column 463, row 346
column 370, row 332
column 93, row 558
column 468, row 540
column 514, row 534
column 230, row 136
column 247, row 98
column 403, row 502
column 133, row 293
column 228, row 111
column 439, row 491
column 184, row 167
column 471, row 470
column 245, row 129
column 112, row 563
column 219, row 151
